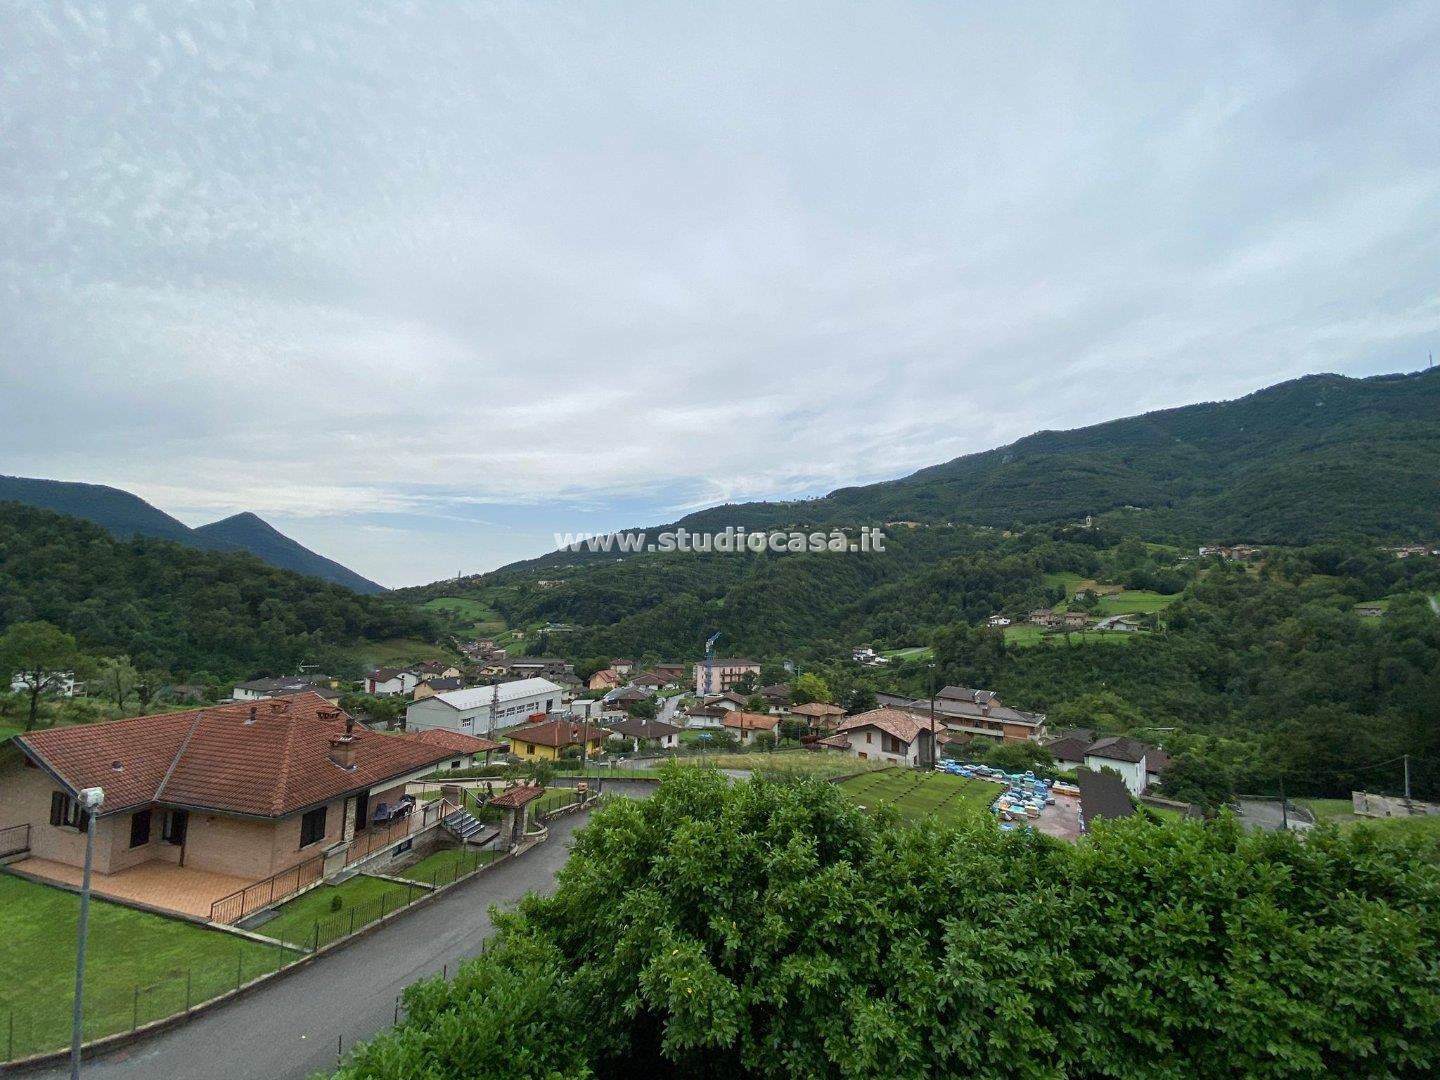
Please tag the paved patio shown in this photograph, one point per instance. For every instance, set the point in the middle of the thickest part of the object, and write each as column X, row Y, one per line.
column 155, row 884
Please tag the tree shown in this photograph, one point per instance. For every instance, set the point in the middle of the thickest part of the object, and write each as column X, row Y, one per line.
column 860, row 699
column 642, row 709
column 147, row 685
column 1018, row 757
column 809, row 687
column 37, row 655
column 763, row 740
column 117, row 678
column 630, row 968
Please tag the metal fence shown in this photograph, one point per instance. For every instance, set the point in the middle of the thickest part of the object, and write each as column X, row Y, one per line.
column 38, row 1027
column 14, row 839
column 231, row 909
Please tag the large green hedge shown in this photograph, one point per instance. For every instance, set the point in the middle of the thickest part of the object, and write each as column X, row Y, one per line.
column 775, row 930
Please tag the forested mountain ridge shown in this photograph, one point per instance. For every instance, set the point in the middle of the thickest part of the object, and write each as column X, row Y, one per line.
column 170, row 607
column 127, row 515
column 250, row 533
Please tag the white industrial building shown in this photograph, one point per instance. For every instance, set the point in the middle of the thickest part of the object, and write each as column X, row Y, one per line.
column 468, row 711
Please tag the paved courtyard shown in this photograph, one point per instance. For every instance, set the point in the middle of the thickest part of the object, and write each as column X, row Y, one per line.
column 155, row 884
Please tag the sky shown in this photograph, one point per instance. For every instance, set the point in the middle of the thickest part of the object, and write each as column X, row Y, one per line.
column 424, row 284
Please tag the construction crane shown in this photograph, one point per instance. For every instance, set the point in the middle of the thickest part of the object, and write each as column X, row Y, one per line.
column 710, row 663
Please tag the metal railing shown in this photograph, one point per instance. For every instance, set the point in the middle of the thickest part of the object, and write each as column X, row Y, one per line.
column 233, row 908
column 14, row 839
column 372, row 840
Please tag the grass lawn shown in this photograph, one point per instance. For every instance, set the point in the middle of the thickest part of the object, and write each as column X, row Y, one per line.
column 127, row 949
column 822, row 764
column 1339, row 812
column 440, row 866
column 398, row 652
column 484, row 620
column 1027, row 635
column 1134, row 602
column 949, row 799
column 296, row 920
column 6, row 732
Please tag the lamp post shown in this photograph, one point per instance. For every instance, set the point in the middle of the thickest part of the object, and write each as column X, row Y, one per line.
column 90, row 801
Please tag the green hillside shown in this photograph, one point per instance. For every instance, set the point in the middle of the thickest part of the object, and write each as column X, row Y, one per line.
column 126, row 515
column 250, row 533
column 184, row 611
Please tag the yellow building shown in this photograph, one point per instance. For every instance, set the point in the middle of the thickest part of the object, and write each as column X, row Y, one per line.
column 549, row 740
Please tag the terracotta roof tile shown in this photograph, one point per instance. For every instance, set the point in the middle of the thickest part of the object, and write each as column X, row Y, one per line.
column 456, row 741
column 516, row 797
column 219, row 758
column 903, row 725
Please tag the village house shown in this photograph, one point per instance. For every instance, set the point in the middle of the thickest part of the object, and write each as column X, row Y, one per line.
column 818, row 714
column 389, row 681
column 647, row 734
column 648, row 680
column 997, row 620
column 435, row 669
column 724, row 674
column 1044, row 617
column 622, row 665
column 1123, row 755
column 976, row 713
column 549, row 739
column 706, row 716
column 540, row 667
column 1076, row 620
column 467, row 751
column 203, row 803
column 260, row 689
column 673, row 674
column 885, row 734
column 431, row 687
column 470, row 710
column 746, row 725
column 606, row 679
column 777, row 697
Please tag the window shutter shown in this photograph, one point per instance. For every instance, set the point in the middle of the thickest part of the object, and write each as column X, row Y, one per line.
column 57, row 808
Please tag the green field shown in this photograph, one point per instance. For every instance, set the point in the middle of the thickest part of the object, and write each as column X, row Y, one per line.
column 127, row 949
column 398, row 652
column 916, row 652
column 484, row 620
column 918, row 795
column 1339, row 812
column 1134, row 602
column 1026, row 635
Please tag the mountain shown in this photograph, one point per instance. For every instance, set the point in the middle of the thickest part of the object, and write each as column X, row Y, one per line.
column 1319, row 459
column 126, row 515
column 211, row 615
column 253, row 534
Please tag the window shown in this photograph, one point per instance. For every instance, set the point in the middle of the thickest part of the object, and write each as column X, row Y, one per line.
column 312, row 827
column 66, row 813
column 869, row 736
column 455, row 764
column 530, row 748
column 140, row 828
column 176, row 822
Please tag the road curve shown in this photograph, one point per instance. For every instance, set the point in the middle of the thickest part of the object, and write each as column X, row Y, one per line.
column 288, row 1029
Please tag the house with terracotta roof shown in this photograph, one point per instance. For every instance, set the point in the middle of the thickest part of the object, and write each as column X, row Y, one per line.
column 975, row 713
column 389, row 681
column 819, row 714
column 211, row 800
column 643, row 734
column 746, row 725
column 549, row 739
column 468, row 750
column 606, row 679
column 885, row 734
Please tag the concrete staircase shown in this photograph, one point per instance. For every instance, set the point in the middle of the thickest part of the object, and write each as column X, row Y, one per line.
column 467, row 828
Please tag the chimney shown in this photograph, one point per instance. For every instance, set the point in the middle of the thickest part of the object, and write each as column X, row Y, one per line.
column 349, row 725
column 342, row 751
column 252, row 715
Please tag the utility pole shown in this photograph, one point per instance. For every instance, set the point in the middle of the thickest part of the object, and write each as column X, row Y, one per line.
column 1284, row 811
column 934, row 750
column 90, row 801
column 1407, row 777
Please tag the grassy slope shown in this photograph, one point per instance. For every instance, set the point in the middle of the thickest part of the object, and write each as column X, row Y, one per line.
column 950, row 799
column 127, row 948
column 296, row 921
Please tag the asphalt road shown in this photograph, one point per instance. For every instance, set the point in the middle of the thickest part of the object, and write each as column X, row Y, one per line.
column 288, row 1029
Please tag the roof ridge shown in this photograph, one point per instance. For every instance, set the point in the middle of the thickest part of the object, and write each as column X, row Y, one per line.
column 175, row 761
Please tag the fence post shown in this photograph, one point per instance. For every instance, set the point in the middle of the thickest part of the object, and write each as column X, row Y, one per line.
column 239, row 962
column 384, row 900
column 187, row 990
column 316, row 947
column 352, row 920
column 135, row 1010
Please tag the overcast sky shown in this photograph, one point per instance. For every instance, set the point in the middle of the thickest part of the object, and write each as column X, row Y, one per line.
column 422, row 284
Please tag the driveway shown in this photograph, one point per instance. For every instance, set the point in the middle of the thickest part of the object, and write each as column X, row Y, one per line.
column 288, row 1029
column 1265, row 815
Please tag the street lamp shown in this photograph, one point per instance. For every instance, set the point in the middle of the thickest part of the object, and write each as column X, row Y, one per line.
column 90, row 801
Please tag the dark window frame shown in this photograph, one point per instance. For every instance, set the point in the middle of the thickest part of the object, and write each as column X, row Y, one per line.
column 67, row 813
column 310, row 822
column 140, row 828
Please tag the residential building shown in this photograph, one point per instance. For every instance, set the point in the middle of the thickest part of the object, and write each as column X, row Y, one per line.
column 431, row 687
column 729, row 701
column 1123, row 755
column 649, row 680
column 724, row 674
column 389, row 681
column 1076, row 619
column 1102, row 796
column 818, row 714
column 606, row 679
column 673, row 674
column 260, row 689
column 1044, row 617
column 1370, row 611
column 647, row 734
column 997, row 620
column 706, row 716
column 549, row 739
column 865, row 654
column 746, row 725
column 974, row 712
column 777, row 697
column 540, row 667
column 59, row 683
column 435, row 669
column 467, row 751
column 212, row 799
column 885, row 735
column 622, row 665
column 470, row 710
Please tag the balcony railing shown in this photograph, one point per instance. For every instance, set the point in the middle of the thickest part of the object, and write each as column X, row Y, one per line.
column 375, row 839
column 233, row 908
column 14, row 839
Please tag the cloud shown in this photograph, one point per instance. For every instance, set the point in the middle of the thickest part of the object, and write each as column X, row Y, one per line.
column 326, row 263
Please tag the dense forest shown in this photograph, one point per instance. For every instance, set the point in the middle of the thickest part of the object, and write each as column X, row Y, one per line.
column 176, row 609
column 777, row 930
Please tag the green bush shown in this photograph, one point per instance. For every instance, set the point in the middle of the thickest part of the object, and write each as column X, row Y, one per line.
column 774, row 930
